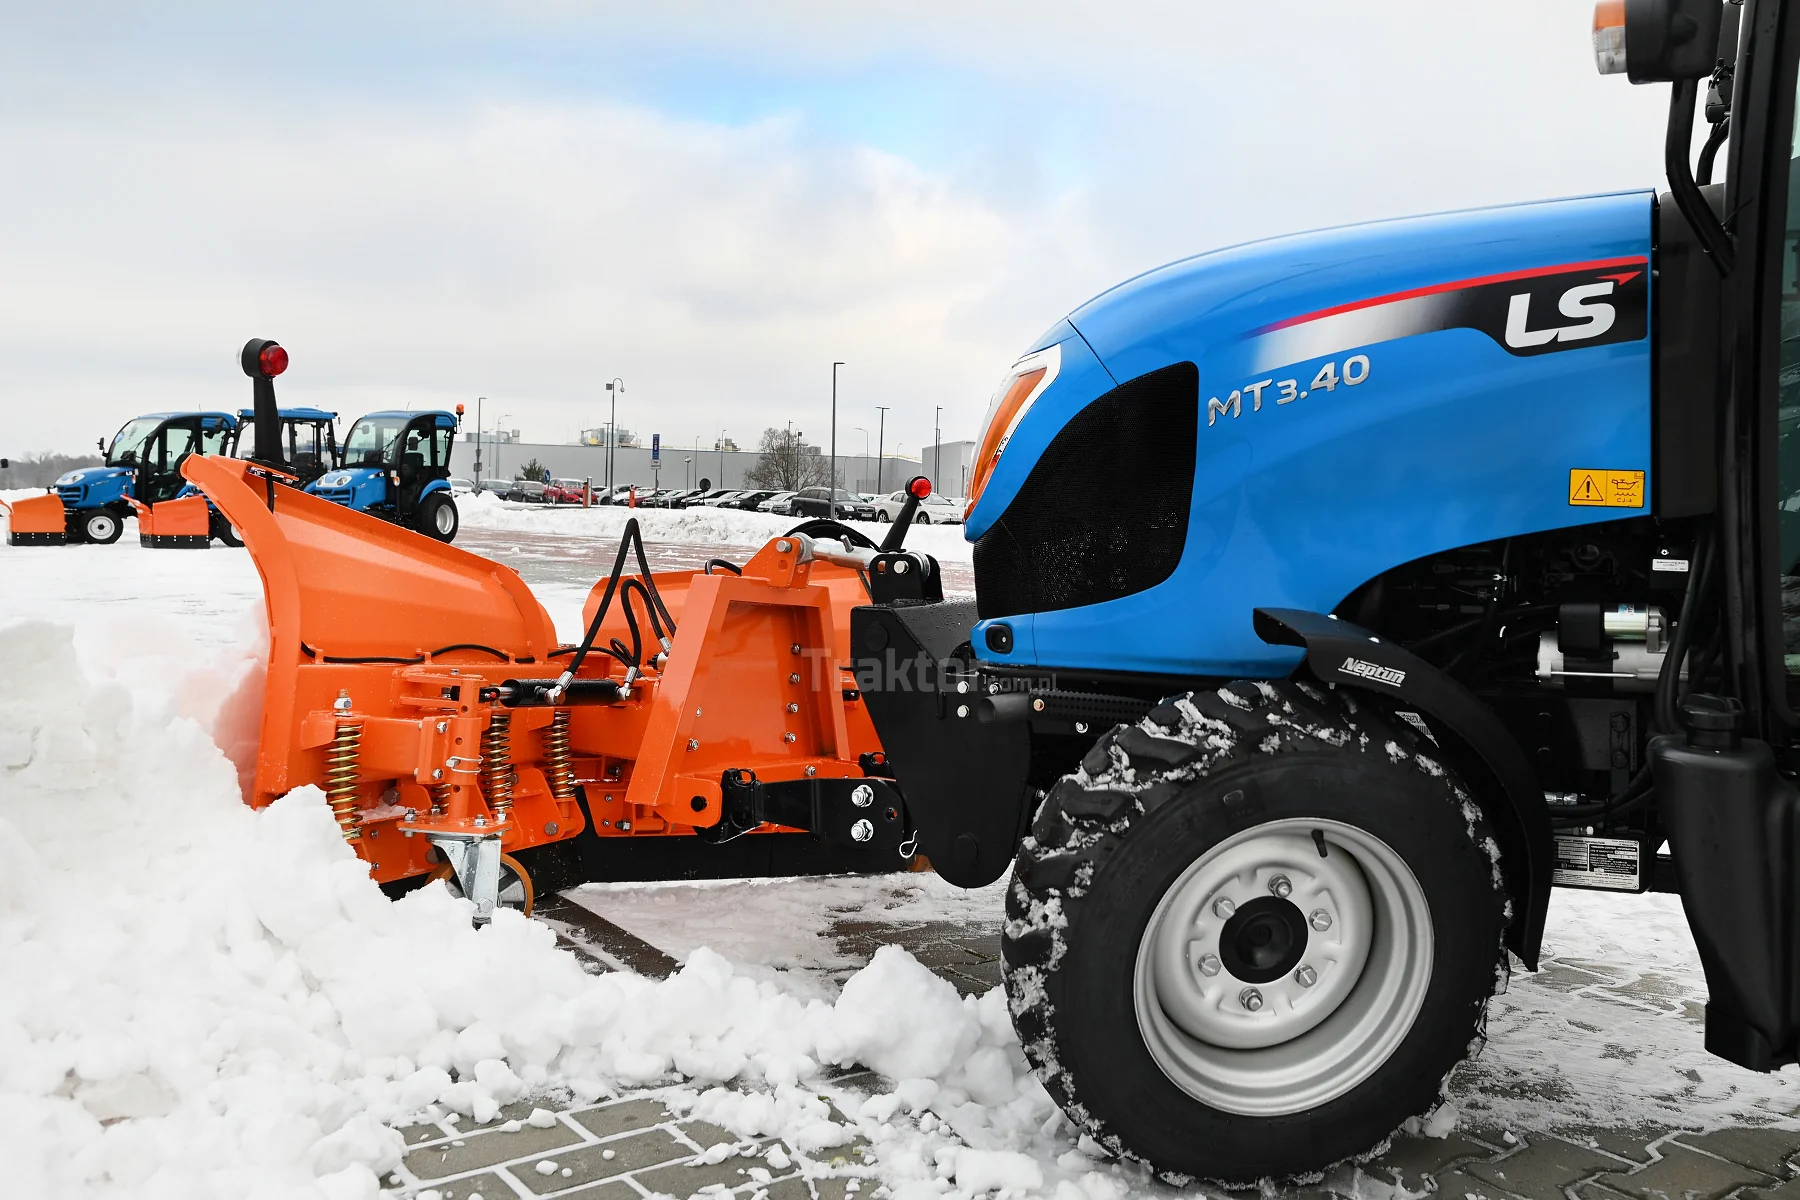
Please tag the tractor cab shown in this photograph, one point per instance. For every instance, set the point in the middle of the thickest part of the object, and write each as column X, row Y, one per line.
column 396, row 465
column 308, row 441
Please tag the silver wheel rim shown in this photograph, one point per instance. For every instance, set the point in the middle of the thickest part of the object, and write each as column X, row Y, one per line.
column 100, row 526
column 1269, row 1047
column 445, row 518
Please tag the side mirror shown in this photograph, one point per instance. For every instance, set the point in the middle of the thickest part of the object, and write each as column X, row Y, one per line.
column 1663, row 41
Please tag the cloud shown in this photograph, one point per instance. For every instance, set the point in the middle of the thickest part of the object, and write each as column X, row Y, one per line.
column 427, row 203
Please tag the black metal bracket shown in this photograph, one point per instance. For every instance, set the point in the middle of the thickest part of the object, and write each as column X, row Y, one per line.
column 861, row 813
column 898, row 576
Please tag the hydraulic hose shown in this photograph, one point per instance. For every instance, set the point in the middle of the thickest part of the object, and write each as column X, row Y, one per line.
column 631, row 540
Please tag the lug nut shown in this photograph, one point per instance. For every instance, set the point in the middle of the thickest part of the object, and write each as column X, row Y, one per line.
column 794, row 678
column 811, row 771
column 1251, row 999
column 1281, row 886
column 437, row 772
column 788, row 738
column 962, row 710
column 1209, row 964
column 862, row 795
column 1223, row 908
column 793, row 708
column 693, row 743
column 862, row 831
column 1306, row 976
column 1320, row 920
column 794, row 649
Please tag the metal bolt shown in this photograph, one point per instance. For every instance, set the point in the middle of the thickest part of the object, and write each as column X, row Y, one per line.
column 625, row 825
column 437, row 773
column 787, row 737
column 693, row 744
column 443, row 727
column 412, row 814
column 342, row 703
column 1306, row 976
column 962, row 685
column 783, row 546
column 962, row 710
column 862, row 796
column 551, row 828
column 480, row 821
column 1281, row 886
column 1320, row 920
column 900, row 567
column 793, row 708
column 811, row 771
column 699, row 712
column 1037, row 705
column 1081, row 727
column 794, row 649
column 1251, row 999
column 794, row 678
column 1223, row 907
column 456, row 670
column 1209, row 964
column 862, row 831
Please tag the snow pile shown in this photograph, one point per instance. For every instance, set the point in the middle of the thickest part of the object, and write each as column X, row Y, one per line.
column 204, row 1000
column 693, row 526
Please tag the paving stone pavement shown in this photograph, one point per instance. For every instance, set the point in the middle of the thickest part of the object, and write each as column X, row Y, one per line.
column 633, row 1147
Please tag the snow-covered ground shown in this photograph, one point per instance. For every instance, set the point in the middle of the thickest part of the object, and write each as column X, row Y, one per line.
column 197, row 1000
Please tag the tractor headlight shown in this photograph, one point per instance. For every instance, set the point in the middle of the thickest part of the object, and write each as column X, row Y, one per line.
column 1027, row 380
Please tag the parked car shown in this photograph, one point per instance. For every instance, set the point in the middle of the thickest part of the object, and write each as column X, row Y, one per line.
column 699, row 499
column 670, row 497
column 500, row 487
column 565, row 491
column 727, row 498
column 778, row 504
column 621, row 494
column 460, row 486
column 749, row 500
column 844, row 506
column 933, row 510
column 529, row 491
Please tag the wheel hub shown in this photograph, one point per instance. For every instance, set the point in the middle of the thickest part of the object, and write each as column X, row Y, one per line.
column 1283, row 966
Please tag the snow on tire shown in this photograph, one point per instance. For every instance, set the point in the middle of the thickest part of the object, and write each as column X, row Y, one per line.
column 1253, row 933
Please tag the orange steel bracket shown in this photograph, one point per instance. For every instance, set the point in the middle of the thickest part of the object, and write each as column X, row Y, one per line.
column 174, row 524
column 36, row 521
column 342, row 585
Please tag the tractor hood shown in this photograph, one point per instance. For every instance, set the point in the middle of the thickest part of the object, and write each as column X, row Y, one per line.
column 1307, row 412
column 88, row 476
column 358, row 487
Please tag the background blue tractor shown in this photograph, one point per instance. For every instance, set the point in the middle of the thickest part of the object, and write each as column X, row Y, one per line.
column 143, row 462
column 396, row 466
column 1462, row 562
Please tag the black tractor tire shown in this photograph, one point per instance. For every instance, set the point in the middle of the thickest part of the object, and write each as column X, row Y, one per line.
column 101, row 526
column 437, row 517
column 1116, row 901
column 225, row 531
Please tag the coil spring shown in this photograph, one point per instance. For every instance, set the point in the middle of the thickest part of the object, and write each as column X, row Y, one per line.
column 496, row 764
column 340, row 778
column 558, row 758
column 440, row 799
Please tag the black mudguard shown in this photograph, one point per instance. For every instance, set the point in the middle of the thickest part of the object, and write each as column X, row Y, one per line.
column 965, row 782
column 1473, row 740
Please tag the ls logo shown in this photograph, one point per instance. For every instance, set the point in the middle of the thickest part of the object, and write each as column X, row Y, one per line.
column 1589, row 305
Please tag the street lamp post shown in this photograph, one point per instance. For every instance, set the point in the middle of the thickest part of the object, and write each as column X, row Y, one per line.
column 613, row 390
column 478, row 401
column 688, row 465
column 831, row 481
column 880, row 437
column 937, row 444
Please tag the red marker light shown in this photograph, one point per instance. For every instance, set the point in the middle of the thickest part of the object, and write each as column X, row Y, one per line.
column 273, row 360
column 920, row 487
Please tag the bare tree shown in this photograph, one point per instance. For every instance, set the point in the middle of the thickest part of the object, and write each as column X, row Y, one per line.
column 787, row 463
column 41, row 470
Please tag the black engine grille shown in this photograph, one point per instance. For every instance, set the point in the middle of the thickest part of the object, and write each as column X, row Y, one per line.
column 1104, row 513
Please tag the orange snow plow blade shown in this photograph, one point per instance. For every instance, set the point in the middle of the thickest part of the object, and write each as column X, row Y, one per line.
column 174, row 524
column 36, row 521
column 415, row 683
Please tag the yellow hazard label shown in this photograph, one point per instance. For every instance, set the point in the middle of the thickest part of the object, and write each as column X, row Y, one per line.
column 1606, row 489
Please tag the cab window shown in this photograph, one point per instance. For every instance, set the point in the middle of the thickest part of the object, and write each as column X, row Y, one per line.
column 1787, row 432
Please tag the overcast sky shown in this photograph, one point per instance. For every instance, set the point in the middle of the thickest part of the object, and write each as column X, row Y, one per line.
column 430, row 202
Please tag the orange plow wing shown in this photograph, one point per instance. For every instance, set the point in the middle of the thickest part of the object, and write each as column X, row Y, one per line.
column 36, row 521
column 174, row 524
column 412, row 681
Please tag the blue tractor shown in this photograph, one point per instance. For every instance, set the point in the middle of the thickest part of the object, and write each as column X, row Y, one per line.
column 1462, row 560
column 143, row 463
column 396, row 466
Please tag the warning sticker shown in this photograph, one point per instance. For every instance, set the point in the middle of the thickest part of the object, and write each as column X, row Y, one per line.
column 1606, row 489
column 1591, row 862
